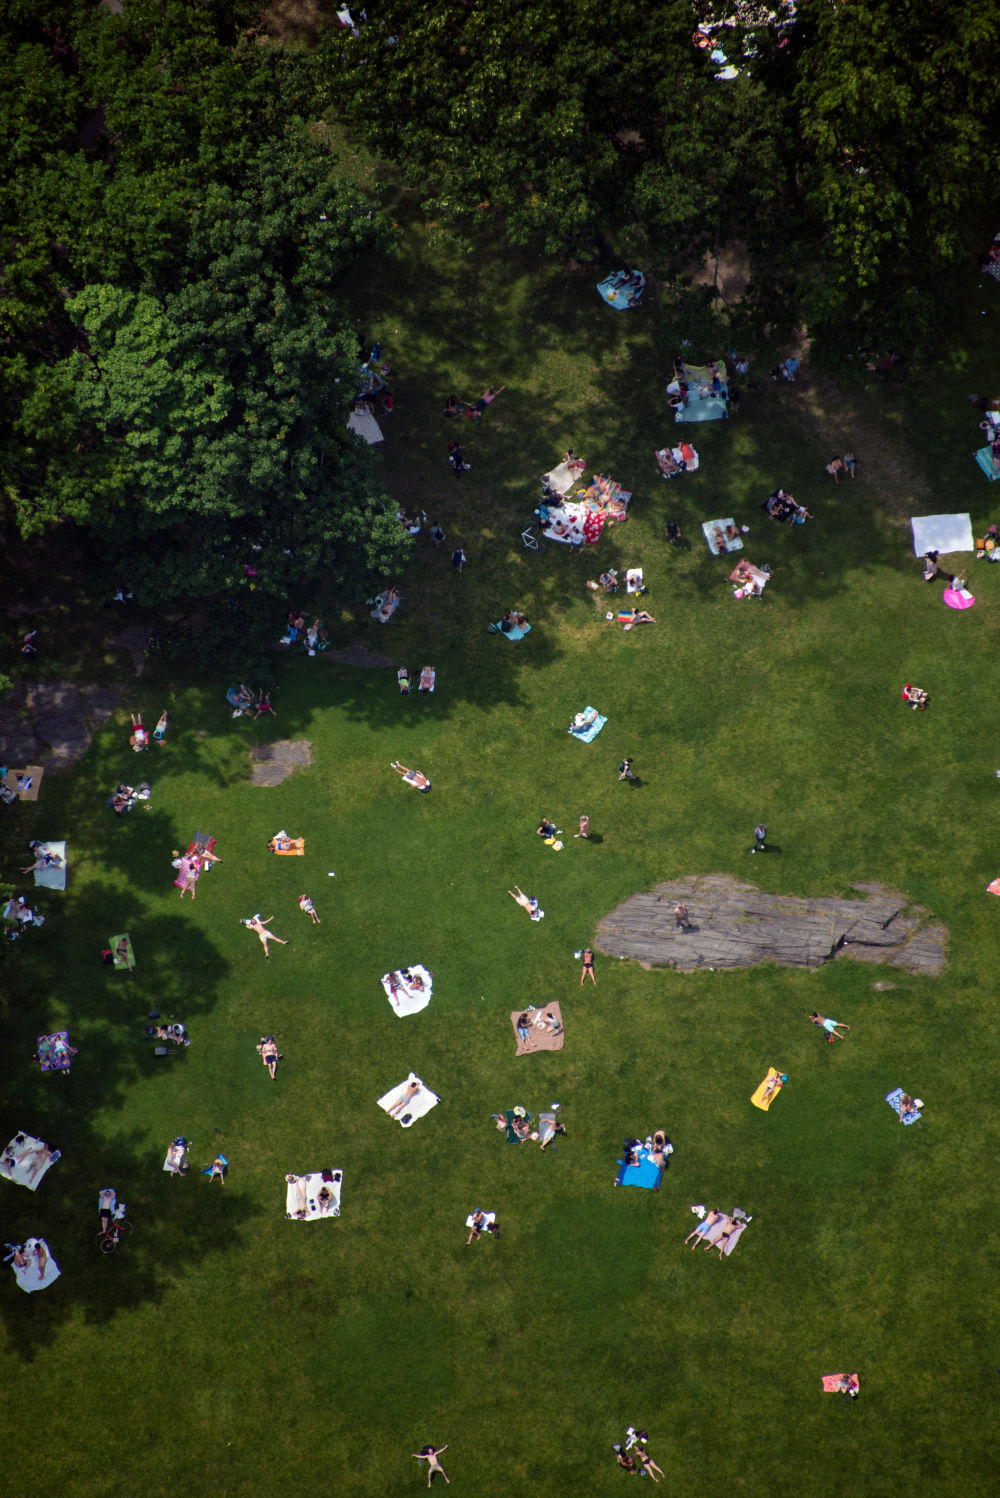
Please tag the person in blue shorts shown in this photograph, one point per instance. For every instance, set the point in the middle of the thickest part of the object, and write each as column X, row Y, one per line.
column 831, row 1026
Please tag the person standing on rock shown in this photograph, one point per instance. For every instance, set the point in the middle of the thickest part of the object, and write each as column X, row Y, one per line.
column 682, row 916
column 759, row 838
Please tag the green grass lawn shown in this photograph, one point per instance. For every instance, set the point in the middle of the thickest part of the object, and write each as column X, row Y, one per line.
column 226, row 1350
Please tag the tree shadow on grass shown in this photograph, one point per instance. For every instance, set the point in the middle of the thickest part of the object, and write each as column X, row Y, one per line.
column 104, row 1011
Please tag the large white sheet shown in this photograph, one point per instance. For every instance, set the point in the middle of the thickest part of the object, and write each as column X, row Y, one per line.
column 26, row 1159
column 364, row 424
column 422, row 1102
column 407, row 999
column 54, row 877
column 28, row 1278
column 941, row 533
column 302, row 1202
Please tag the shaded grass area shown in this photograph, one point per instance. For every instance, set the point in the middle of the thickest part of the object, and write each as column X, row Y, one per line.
column 226, row 1349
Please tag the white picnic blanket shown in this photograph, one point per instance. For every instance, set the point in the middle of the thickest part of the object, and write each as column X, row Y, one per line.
column 23, row 1160
column 408, row 999
column 302, row 1201
column 365, row 426
column 53, row 877
column 488, row 1217
column 422, row 1102
column 941, row 533
column 28, row 1278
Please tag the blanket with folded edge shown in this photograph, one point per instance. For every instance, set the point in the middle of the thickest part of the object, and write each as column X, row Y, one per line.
column 546, row 1127
column 18, row 1161
column 712, row 529
column 832, row 1382
column 646, row 1174
column 291, row 847
column 716, row 1231
column 49, row 1059
column 125, row 959
column 589, row 733
column 422, row 1102
column 758, row 1097
column 28, row 1278
column 488, row 1217
column 18, row 781
column 54, row 875
column 895, row 1101
column 404, row 998
column 541, row 1036
column 302, row 1196
column 985, row 460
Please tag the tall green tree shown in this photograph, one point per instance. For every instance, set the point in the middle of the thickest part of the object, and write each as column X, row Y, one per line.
column 179, row 370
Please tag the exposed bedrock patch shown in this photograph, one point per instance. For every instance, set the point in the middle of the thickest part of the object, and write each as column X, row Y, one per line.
column 736, row 925
column 273, row 763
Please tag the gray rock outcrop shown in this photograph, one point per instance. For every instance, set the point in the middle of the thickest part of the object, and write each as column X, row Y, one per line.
column 733, row 924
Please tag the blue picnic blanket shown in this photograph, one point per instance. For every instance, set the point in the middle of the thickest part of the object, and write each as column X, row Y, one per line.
column 984, row 458
column 517, row 633
column 645, row 1174
column 894, row 1101
column 585, row 735
column 621, row 297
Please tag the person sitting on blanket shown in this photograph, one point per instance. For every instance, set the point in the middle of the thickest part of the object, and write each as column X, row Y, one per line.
column 909, row 1107
column 667, row 463
column 43, row 858
column 548, row 1022
column 176, row 1032
column 326, row 1199
column 631, row 617
column 916, row 697
column 122, row 799
column 412, row 777
column 582, row 721
column 507, row 622
column 662, row 1149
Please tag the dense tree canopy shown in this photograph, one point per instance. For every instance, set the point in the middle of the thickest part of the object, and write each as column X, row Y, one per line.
column 177, row 371
column 847, row 152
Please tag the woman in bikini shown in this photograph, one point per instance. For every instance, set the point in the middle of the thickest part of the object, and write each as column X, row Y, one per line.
column 588, row 967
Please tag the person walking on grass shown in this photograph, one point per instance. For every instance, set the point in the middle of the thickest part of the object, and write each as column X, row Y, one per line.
column 588, row 967
column 625, row 770
column 430, row 1456
column 759, row 838
column 458, row 559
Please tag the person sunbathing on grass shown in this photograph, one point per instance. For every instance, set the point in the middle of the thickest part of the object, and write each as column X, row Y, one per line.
column 255, row 923
column 412, row 777
column 301, row 1194
column 704, row 1227
column 526, row 902
column 631, row 617
column 724, row 1236
column 410, row 1092
column 268, row 1050
column 430, row 1456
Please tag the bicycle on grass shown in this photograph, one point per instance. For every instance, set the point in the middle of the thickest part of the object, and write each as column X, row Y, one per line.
column 109, row 1238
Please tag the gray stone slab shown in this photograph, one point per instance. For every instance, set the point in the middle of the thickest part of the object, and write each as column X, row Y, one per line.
column 733, row 924
column 99, row 704
column 269, row 774
column 284, row 751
